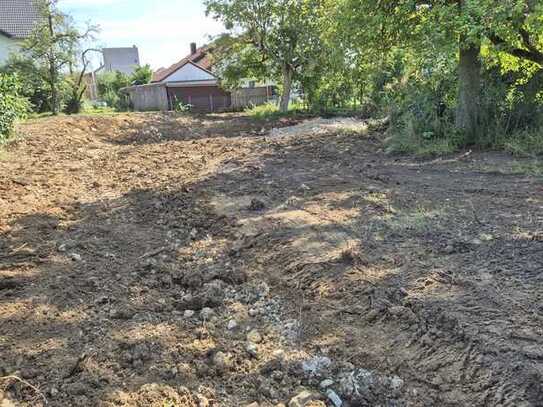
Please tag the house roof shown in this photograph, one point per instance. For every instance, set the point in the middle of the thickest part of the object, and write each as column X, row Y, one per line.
column 200, row 58
column 18, row 17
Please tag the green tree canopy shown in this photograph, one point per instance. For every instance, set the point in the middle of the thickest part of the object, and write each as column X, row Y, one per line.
column 282, row 35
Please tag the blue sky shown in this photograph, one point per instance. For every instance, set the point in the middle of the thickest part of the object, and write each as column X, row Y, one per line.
column 161, row 29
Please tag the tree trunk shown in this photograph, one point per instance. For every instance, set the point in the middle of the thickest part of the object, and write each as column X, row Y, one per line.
column 54, row 90
column 468, row 109
column 53, row 77
column 287, row 86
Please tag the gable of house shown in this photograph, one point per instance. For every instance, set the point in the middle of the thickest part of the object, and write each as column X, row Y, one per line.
column 194, row 67
column 190, row 72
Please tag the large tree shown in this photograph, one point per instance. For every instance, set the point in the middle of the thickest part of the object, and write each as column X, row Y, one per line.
column 510, row 26
column 55, row 44
column 284, row 35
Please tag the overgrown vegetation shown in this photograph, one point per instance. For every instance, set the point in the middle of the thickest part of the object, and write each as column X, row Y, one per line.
column 448, row 74
column 51, row 64
column 271, row 110
column 111, row 83
column 13, row 106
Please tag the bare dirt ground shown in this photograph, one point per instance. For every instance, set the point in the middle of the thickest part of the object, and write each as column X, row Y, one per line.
column 162, row 260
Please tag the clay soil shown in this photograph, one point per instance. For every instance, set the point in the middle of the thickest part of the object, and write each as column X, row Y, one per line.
column 113, row 227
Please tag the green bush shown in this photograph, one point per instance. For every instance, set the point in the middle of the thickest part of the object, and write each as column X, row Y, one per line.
column 270, row 110
column 527, row 143
column 142, row 75
column 265, row 111
column 13, row 106
column 109, row 86
column 33, row 86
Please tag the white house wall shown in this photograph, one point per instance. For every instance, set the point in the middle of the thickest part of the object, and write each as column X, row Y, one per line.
column 124, row 60
column 7, row 47
column 189, row 72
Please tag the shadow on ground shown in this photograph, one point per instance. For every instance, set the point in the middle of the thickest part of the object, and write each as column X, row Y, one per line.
column 430, row 272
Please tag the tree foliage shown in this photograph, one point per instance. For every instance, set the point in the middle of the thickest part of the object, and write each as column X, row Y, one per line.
column 111, row 83
column 31, row 77
column 458, row 69
column 54, row 45
column 142, row 75
column 12, row 104
column 283, row 36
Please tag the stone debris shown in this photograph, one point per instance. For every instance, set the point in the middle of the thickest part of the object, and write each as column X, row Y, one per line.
column 320, row 126
column 252, row 349
column 365, row 386
column 75, row 257
column 303, row 399
column 334, row 398
column 254, row 336
column 326, row 383
column 189, row 313
column 316, row 366
column 206, row 313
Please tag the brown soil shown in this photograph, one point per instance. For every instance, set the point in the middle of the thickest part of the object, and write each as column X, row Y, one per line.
column 112, row 227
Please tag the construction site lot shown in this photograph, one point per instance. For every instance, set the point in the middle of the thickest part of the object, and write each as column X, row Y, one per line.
column 181, row 260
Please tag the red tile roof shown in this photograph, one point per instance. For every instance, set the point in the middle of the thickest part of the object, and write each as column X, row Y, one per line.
column 200, row 58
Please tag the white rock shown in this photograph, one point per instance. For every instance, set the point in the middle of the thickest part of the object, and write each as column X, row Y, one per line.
column 75, row 256
column 252, row 349
column 253, row 312
column 334, row 398
column 189, row 313
column 303, row 398
column 396, row 383
column 326, row 383
column 232, row 324
column 316, row 366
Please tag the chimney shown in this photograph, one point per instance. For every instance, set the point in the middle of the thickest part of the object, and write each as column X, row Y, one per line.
column 192, row 48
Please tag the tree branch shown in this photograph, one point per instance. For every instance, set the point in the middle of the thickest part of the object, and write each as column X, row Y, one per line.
column 530, row 52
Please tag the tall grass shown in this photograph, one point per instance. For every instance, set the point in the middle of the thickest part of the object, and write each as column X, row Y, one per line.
column 270, row 111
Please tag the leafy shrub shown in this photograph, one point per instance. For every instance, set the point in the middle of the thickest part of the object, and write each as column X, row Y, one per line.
column 111, row 83
column 527, row 143
column 265, row 111
column 109, row 86
column 142, row 75
column 181, row 107
column 30, row 75
column 12, row 105
column 270, row 110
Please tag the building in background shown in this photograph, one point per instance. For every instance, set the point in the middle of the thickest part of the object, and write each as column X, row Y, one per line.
column 17, row 20
column 124, row 60
column 193, row 82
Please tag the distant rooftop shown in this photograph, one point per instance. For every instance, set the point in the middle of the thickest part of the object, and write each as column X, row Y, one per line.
column 18, row 17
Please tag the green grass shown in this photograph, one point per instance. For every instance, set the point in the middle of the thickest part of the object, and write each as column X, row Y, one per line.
column 420, row 146
column 523, row 144
column 271, row 111
column 533, row 167
column 87, row 110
